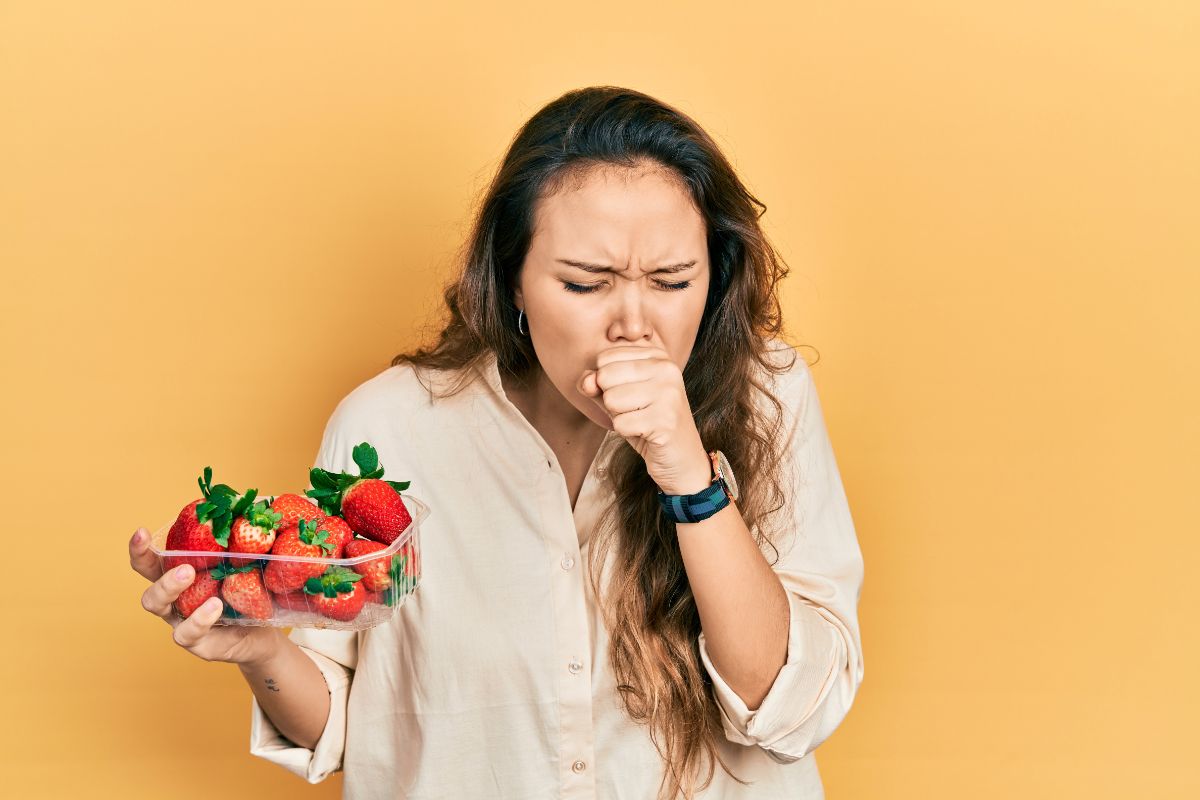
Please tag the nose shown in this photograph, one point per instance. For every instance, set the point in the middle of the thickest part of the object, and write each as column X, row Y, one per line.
column 630, row 321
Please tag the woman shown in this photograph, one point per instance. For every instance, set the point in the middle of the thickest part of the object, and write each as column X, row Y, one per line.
column 640, row 564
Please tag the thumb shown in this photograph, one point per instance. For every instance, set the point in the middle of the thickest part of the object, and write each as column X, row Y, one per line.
column 590, row 389
column 588, row 385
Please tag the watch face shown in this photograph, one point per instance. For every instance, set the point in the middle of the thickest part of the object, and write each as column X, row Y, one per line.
column 726, row 473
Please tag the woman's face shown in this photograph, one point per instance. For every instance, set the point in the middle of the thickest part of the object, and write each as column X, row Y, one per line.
column 627, row 227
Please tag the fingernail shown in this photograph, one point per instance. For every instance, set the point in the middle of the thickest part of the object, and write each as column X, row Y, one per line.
column 137, row 537
column 212, row 604
column 183, row 573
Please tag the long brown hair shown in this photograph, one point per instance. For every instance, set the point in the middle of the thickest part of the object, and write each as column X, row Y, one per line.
column 649, row 609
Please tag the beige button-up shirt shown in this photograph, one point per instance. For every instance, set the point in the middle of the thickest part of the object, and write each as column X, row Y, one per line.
column 492, row 680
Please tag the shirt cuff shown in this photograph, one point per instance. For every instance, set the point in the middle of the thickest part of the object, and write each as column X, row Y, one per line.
column 785, row 724
column 325, row 758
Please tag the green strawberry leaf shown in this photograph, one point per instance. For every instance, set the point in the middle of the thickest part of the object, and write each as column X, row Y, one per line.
column 320, row 479
column 399, row 486
column 221, row 529
column 222, row 571
column 365, row 457
column 245, row 501
column 262, row 516
column 396, row 573
column 203, row 511
column 205, row 480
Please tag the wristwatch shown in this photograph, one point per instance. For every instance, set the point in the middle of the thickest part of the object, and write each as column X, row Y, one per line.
column 703, row 504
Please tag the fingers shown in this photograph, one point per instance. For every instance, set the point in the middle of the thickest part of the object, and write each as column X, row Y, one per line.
column 159, row 596
column 142, row 558
column 190, row 631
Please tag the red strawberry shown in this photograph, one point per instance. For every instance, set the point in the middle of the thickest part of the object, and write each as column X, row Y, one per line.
column 204, row 524
column 254, row 532
column 372, row 506
column 374, row 510
column 337, row 593
column 293, row 601
column 374, row 571
column 242, row 587
column 293, row 507
column 412, row 566
column 283, row 575
column 339, row 533
column 373, row 597
column 193, row 596
column 189, row 533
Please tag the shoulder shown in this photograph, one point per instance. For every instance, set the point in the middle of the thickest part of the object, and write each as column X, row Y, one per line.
column 394, row 395
column 790, row 379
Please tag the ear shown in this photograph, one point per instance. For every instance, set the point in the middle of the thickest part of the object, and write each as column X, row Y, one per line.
column 518, row 298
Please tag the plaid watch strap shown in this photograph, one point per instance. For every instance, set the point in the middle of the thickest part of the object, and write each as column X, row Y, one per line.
column 694, row 507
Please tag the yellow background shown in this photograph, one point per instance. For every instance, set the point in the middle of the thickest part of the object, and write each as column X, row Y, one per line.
column 217, row 219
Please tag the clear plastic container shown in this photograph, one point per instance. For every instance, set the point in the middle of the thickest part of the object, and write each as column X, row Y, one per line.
column 299, row 611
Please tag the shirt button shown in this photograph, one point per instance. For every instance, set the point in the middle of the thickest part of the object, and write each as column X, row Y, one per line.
column 567, row 562
column 579, row 766
column 575, row 666
column 601, row 471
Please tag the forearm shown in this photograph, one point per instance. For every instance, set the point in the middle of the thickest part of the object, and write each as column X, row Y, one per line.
column 291, row 691
column 742, row 604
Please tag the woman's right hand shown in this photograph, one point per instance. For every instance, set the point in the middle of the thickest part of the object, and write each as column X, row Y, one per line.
column 237, row 644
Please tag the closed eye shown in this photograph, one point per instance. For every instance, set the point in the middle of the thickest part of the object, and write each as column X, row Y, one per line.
column 592, row 287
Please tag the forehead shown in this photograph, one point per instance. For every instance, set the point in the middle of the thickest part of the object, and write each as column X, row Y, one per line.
column 618, row 214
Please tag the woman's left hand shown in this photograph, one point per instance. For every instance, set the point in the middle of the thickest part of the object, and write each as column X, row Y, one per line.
column 641, row 390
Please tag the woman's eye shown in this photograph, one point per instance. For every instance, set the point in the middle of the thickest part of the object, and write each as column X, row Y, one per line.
column 591, row 287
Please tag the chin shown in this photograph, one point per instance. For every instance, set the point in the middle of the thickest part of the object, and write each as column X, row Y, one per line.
column 595, row 415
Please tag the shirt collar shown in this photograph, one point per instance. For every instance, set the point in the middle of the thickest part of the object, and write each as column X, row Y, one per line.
column 489, row 368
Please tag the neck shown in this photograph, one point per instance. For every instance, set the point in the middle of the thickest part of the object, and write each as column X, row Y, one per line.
column 549, row 412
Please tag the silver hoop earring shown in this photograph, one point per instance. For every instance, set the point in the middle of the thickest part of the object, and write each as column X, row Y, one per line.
column 520, row 319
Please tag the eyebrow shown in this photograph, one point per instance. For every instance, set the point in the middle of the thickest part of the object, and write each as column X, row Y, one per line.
column 605, row 268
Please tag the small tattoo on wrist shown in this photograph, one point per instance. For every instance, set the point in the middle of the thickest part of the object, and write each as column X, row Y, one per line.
column 271, row 685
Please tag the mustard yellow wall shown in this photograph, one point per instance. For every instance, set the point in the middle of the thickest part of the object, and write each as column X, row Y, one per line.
column 216, row 219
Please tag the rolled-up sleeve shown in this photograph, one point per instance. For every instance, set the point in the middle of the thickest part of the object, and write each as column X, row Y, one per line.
column 821, row 568
column 334, row 652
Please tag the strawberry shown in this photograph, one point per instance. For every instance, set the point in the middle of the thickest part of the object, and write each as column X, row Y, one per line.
column 282, row 576
column 293, row 601
column 204, row 524
column 373, row 597
column 374, row 572
column 337, row 593
column 242, row 587
column 372, row 506
column 375, row 510
column 412, row 568
column 293, row 507
column 193, row 596
column 339, row 533
column 189, row 533
column 254, row 532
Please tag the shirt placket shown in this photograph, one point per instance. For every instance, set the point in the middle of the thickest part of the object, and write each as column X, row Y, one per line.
column 573, row 649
